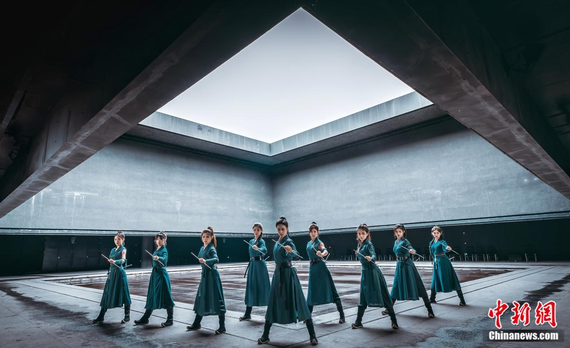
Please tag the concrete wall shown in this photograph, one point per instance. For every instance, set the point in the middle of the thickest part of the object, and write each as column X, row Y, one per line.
column 132, row 185
column 430, row 174
column 434, row 173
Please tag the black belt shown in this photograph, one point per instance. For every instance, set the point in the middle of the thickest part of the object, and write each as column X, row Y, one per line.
column 315, row 261
column 283, row 265
column 281, row 280
column 253, row 258
column 402, row 258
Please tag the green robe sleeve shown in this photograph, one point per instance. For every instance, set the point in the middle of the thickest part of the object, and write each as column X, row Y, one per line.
column 261, row 246
column 212, row 257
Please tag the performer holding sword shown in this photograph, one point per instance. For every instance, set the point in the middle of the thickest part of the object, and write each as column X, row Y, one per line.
column 444, row 278
column 321, row 285
column 159, row 294
column 407, row 284
column 116, row 291
column 373, row 288
column 257, row 288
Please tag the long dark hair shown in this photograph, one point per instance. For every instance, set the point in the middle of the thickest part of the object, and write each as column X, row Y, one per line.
column 209, row 230
column 121, row 235
column 258, row 224
column 400, row 226
column 161, row 235
column 365, row 228
column 283, row 221
column 314, row 226
column 437, row 228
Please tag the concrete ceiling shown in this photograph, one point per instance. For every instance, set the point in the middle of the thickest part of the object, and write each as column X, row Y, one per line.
column 77, row 77
column 534, row 39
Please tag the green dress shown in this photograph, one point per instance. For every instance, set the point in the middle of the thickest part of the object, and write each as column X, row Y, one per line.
column 286, row 299
column 373, row 288
column 159, row 294
column 321, row 286
column 258, row 285
column 444, row 278
column 408, row 284
column 210, row 296
column 116, row 291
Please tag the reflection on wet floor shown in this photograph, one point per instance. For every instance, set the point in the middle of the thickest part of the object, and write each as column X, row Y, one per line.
column 347, row 280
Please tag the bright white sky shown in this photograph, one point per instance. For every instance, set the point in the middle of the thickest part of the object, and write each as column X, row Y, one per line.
column 295, row 77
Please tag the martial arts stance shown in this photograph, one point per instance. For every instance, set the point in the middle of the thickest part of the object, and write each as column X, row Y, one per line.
column 116, row 292
column 444, row 278
column 257, row 288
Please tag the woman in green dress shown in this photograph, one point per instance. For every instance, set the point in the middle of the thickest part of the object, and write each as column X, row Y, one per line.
column 159, row 294
column 373, row 288
column 286, row 299
column 408, row 284
column 257, row 288
column 116, row 291
column 210, row 296
column 321, row 285
column 444, row 278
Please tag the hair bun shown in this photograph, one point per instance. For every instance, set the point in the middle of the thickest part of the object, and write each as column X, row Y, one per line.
column 313, row 223
column 210, row 228
column 282, row 218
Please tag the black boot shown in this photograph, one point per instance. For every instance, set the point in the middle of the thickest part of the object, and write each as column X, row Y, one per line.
column 247, row 314
column 358, row 323
column 428, row 306
column 222, row 321
column 196, row 324
column 461, row 298
column 144, row 319
column 265, row 337
column 385, row 311
column 101, row 317
column 340, row 311
column 311, row 329
column 127, row 313
column 310, row 311
column 392, row 315
column 169, row 317
column 432, row 296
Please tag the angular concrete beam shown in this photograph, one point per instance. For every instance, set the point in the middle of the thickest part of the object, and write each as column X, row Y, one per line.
column 441, row 50
column 86, row 119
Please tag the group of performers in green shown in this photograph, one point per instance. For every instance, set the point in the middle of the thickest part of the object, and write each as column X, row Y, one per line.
column 284, row 296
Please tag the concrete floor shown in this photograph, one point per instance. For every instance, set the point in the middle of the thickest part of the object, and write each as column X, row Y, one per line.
column 55, row 310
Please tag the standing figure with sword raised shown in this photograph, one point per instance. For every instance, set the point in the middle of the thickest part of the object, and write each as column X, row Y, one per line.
column 159, row 294
column 407, row 284
column 210, row 295
column 444, row 278
column 258, row 285
column 116, row 291
column 373, row 287
column 287, row 303
column 321, row 285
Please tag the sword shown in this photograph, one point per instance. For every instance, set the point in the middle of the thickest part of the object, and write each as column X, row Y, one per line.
column 205, row 264
column 401, row 246
column 262, row 253
column 294, row 252
column 110, row 262
column 322, row 258
column 359, row 253
column 156, row 260
column 454, row 251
